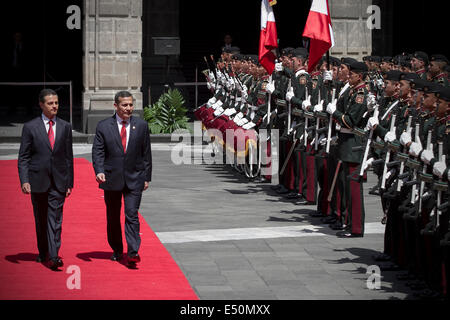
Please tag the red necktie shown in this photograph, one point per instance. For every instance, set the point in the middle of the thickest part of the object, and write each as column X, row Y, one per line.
column 51, row 134
column 123, row 135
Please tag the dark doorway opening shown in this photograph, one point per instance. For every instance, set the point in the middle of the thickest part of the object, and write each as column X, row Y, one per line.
column 204, row 24
column 49, row 52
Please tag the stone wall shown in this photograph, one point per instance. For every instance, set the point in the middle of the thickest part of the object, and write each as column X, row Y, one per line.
column 112, row 45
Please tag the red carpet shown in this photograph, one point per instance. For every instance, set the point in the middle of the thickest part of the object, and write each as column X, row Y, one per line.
column 84, row 244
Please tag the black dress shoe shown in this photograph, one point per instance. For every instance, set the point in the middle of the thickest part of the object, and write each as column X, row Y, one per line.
column 294, row 195
column 304, row 202
column 53, row 264
column 59, row 262
column 329, row 219
column 374, row 191
column 278, row 186
column 282, row 190
column 428, row 294
column 134, row 258
column 317, row 214
column 337, row 225
column 405, row 276
column 389, row 267
column 381, row 257
column 116, row 256
column 347, row 234
column 40, row 259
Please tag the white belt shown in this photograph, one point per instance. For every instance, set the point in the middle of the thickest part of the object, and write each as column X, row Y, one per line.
column 346, row 130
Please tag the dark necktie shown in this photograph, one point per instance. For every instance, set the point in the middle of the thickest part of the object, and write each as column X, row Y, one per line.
column 123, row 135
column 51, row 134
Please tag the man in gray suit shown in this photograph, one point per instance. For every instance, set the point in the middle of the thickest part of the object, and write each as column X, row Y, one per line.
column 46, row 172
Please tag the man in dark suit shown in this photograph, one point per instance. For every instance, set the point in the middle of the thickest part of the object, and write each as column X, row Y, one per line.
column 122, row 160
column 46, row 172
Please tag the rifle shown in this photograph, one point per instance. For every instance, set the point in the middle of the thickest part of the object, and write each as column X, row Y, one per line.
column 269, row 104
column 330, row 194
column 414, row 165
column 388, row 156
column 439, row 186
column 330, row 123
column 289, row 119
column 316, row 138
column 308, row 115
column 367, row 148
column 423, row 177
column 207, row 64
column 403, row 157
column 291, row 149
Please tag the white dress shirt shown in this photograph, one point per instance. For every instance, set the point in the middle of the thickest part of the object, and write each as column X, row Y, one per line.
column 127, row 127
column 47, row 126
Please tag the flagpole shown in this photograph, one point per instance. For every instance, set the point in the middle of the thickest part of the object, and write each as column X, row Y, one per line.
column 328, row 60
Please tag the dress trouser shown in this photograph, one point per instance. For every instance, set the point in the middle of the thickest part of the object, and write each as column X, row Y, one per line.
column 351, row 197
column 132, row 201
column 48, row 216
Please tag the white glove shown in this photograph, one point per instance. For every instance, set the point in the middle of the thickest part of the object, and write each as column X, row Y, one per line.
column 218, row 111
column 238, row 117
column 390, row 136
column 211, row 85
column 290, row 94
column 368, row 164
column 322, row 140
column 380, row 83
column 405, row 138
column 372, row 123
column 328, row 75
column 216, row 105
column 415, row 149
column 319, row 107
column 389, row 174
column 211, row 101
column 439, row 168
column 279, row 66
column 331, row 108
column 426, row 156
column 371, row 99
column 270, row 87
column 211, row 76
column 306, row 103
column 229, row 112
column 248, row 126
column 230, row 84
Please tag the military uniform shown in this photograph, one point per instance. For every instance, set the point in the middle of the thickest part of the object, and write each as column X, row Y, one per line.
column 349, row 114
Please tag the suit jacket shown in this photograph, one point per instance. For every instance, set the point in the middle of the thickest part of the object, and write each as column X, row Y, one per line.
column 121, row 169
column 38, row 163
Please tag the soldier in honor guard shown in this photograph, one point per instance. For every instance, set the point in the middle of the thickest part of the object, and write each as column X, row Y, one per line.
column 436, row 72
column 349, row 115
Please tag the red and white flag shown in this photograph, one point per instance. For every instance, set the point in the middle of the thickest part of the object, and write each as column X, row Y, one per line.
column 268, row 40
column 318, row 29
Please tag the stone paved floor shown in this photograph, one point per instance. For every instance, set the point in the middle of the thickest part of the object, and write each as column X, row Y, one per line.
column 270, row 262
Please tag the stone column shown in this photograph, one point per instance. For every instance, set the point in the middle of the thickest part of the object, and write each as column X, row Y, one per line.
column 352, row 36
column 112, row 46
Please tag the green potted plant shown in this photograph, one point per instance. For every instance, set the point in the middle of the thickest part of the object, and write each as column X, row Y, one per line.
column 167, row 114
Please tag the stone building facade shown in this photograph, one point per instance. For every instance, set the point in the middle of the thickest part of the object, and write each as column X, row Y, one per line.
column 113, row 42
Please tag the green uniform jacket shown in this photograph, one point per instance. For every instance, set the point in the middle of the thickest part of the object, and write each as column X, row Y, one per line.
column 349, row 113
